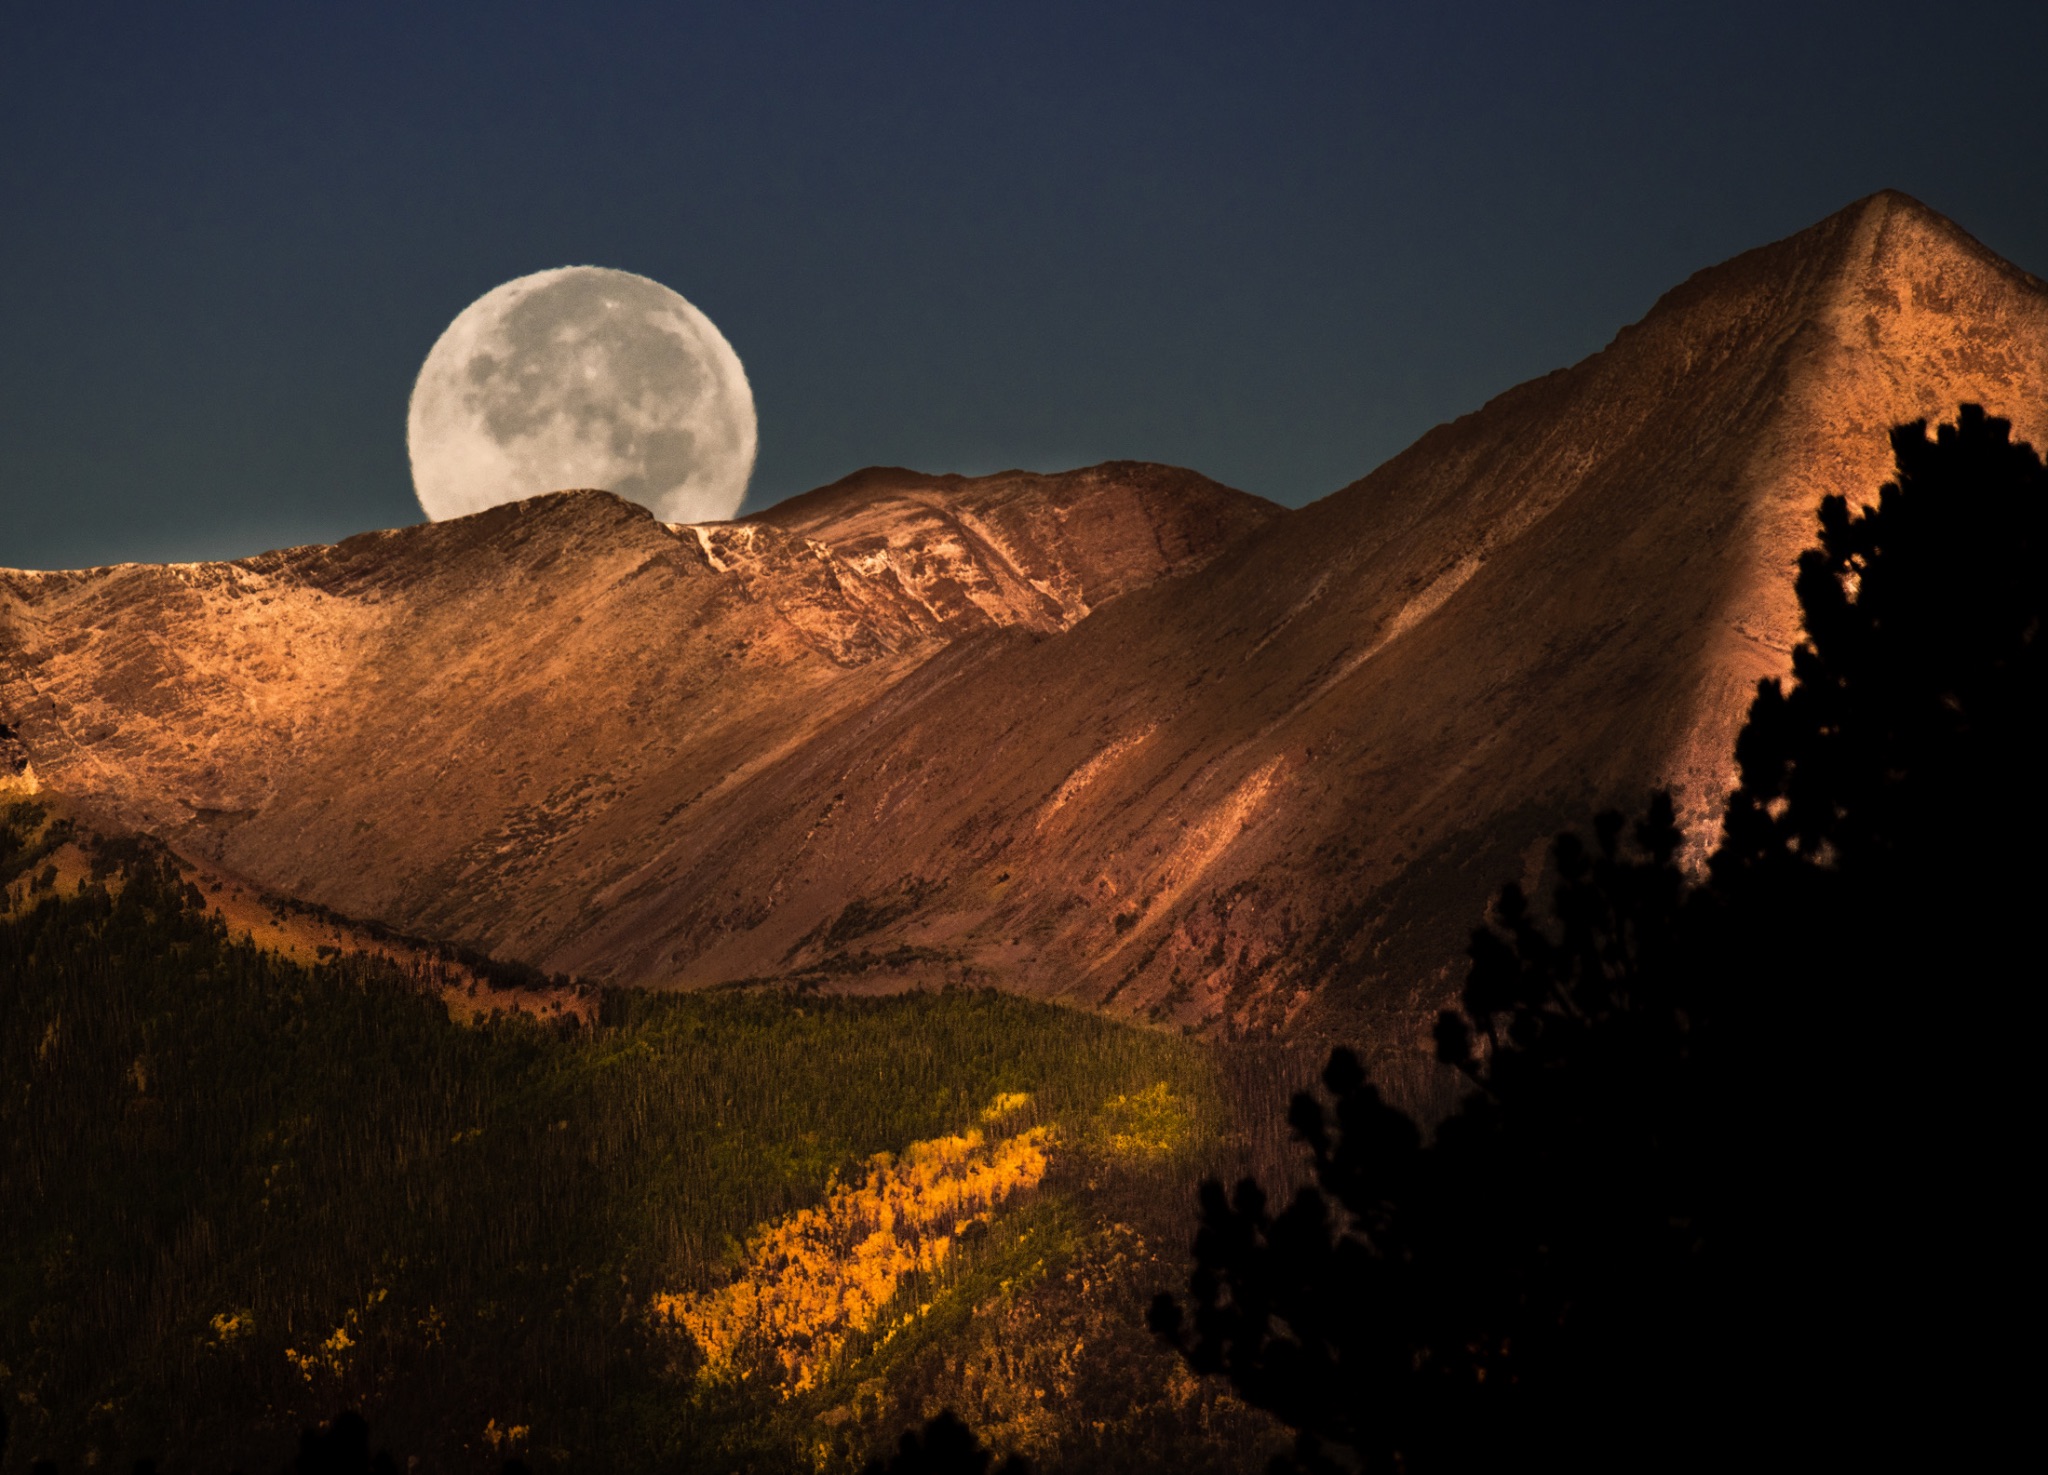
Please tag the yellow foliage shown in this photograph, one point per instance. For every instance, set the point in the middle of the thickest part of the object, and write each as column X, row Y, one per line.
column 230, row 1327
column 331, row 1357
column 1008, row 1103
column 510, row 1437
column 816, row 1278
column 1152, row 1123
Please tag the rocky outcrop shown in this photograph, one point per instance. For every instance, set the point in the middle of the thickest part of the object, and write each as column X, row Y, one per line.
column 17, row 774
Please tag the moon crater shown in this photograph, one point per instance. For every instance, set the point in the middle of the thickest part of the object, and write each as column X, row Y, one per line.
column 582, row 377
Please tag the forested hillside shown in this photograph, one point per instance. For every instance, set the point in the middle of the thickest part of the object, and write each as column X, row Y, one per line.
column 728, row 1230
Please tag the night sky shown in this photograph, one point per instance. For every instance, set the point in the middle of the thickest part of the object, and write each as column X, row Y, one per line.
column 1273, row 241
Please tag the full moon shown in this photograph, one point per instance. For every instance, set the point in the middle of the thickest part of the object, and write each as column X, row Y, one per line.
column 582, row 377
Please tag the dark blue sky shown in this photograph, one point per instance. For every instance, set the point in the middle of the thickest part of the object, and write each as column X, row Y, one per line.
column 1273, row 241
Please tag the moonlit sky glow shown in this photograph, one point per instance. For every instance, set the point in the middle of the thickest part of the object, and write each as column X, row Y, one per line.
column 582, row 377
column 1275, row 243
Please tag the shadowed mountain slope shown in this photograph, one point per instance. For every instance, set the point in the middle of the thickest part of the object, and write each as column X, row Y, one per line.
column 868, row 736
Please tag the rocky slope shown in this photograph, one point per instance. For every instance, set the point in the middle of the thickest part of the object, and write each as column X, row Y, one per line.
column 471, row 727
column 869, row 737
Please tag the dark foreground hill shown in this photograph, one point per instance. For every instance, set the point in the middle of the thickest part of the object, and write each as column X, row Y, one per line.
column 1122, row 736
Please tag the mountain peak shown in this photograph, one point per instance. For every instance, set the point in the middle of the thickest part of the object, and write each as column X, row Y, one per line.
column 1118, row 734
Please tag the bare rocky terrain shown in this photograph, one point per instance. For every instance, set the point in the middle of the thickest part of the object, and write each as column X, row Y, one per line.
column 1121, row 736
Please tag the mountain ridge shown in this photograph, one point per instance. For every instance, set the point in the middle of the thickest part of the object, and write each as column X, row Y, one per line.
column 1265, row 775
column 191, row 700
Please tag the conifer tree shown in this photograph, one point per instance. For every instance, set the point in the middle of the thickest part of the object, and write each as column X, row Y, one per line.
column 1735, row 1179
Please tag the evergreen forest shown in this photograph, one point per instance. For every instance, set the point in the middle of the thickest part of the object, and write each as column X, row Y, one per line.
column 241, row 1194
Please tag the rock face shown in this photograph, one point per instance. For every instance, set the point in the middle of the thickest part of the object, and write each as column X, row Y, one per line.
column 1121, row 736
column 17, row 774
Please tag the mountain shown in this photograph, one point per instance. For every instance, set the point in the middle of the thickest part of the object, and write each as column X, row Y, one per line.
column 1123, row 736
column 473, row 728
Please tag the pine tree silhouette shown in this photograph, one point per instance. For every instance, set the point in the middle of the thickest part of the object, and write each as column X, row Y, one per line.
column 1693, row 1212
column 1882, row 864
column 1512, row 1286
column 341, row 1447
column 945, row 1446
